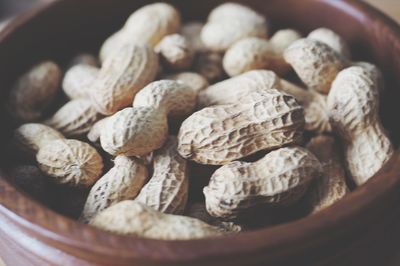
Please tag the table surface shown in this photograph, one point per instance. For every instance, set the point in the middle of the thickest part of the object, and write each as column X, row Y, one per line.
column 390, row 7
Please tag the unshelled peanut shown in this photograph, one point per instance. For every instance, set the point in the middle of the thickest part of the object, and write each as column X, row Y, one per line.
column 78, row 80
column 331, row 38
column 175, row 52
column 196, row 81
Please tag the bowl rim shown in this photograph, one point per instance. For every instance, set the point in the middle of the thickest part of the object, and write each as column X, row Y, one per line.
column 63, row 231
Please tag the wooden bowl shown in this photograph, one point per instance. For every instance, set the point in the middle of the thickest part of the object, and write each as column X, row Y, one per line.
column 356, row 231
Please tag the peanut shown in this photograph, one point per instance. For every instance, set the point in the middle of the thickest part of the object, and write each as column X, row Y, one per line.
column 35, row 91
column 331, row 186
column 192, row 32
column 139, row 130
column 262, row 121
column 77, row 81
column 168, row 188
column 122, row 182
column 331, row 38
column 29, row 138
column 136, row 219
column 315, row 63
column 84, row 59
column 209, row 65
column 71, row 162
column 229, row 23
column 196, row 81
column 374, row 72
column 256, row 53
column 147, row 25
column 353, row 104
column 75, row 118
column 175, row 52
column 279, row 178
column 95, row 131
column 122, row 75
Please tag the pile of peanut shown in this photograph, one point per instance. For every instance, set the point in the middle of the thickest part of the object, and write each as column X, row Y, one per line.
column 225, row 83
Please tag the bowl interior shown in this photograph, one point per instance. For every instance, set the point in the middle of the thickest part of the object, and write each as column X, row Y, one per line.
column 66, row 28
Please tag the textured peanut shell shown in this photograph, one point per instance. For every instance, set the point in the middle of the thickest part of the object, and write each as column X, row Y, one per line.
column 262, row 121
column 176, row 52
column 168, row 188
column 28, row 138
column 374, row 72
column 279, row 178
column 315, row 63
column 78, row 80
column 142, row 129
column 96, row 129
column 70, row 162
column 123, row 74
column 122, row 182
column 136, row 219
column 229, row 23
column 147, row 25
column 196, row 81
column 84, row 59
column 353, row 104
column 35, row 91
column 250, row 54
column 209, row 65
column 331, row 186
column 192, row 32
column 75, row 118
column 282, row 39
column 331, row 38
column 232, row 90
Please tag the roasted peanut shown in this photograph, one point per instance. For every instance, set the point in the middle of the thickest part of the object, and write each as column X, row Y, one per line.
column 374, row 72
column 279, row 178
column 353, row 105
column 139, row 130
column 35, row 91
column 176, row 52
column 229, row 23
column 262, row 121
column 147, row 25
column 168, row 188
column 331, row 38
column 134, row 218
column 122, row 75
column 122, row 182
column 316, row 63
column 196, row 81
column 71, row 162
column 84, row 59
column 29, row 138
column 331, row 186
column 209, row 65
column 78, row 80
column 95, row 131
column 192, row 32
column 75, row 118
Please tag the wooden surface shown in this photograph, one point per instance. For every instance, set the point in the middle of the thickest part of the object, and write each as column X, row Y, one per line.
column 393, row 7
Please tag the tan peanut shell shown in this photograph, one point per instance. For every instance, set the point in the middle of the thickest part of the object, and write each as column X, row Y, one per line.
column 192, row 32
column 78, row 80
column 75, row 118
column 71, row 162
column 176, row 52
column 261, row 121
column 35, row 91
column 29, row 138
column 353, row 104
column 209, row 65
column 315, row 63
column 199, row 211
column 374, row 72
column 231, row 22
column 85, row 59
column 147, row 25
column 331, row 185
column 332, row 39
column 122, row 182
column 31, row 180
column 122, row 75
column 196, row 81
column 282, row 39
column 232, row 90
column 168, row 188
column 139, row 130
column 95, row 131
column 279, row 178
column 136, row 219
